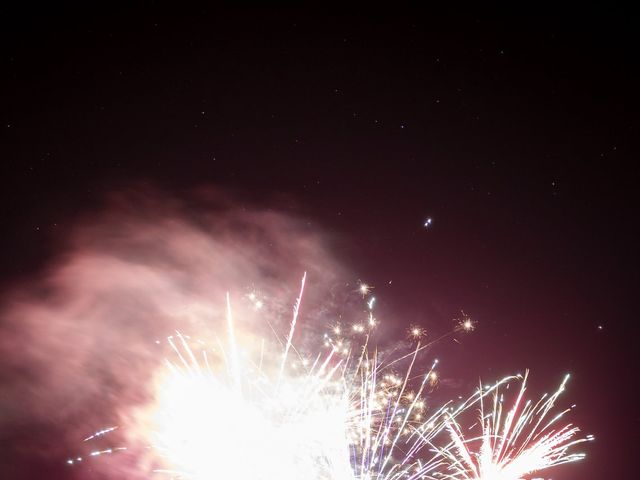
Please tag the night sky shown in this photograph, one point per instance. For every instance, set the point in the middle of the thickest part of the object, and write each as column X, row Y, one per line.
column 515, row 134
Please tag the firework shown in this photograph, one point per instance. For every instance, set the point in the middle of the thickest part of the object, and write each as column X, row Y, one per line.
column 512, row 442
column 465, row 323
column 364, row 289
column 416, row 332
column 346, row 412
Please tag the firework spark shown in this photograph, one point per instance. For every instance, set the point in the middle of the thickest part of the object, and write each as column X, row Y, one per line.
column 416, row 332
column 465, row 323
column 364, row 289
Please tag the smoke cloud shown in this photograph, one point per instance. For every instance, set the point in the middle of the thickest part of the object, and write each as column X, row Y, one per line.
column 78, row 341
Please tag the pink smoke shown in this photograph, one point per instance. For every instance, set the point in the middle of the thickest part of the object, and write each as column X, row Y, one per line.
column 77, row 343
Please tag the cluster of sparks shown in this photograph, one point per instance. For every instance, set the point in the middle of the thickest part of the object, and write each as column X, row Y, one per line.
column 346, row 412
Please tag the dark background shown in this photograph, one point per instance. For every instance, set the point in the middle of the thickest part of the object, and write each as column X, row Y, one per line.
column 514, row 132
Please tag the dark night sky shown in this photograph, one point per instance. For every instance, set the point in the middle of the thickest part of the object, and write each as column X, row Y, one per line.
column 516, row 134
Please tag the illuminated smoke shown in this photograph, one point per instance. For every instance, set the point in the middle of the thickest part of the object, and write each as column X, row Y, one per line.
column 77, row 342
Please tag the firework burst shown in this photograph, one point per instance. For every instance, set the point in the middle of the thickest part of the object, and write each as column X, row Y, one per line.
column 513, row 441
column 345, row 412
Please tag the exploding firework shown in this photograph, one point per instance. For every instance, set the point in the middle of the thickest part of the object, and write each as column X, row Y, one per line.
column 465, row 323
column 513, row 443
column 249, row 408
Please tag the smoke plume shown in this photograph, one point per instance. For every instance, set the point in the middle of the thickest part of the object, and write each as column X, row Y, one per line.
column 78, row 341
